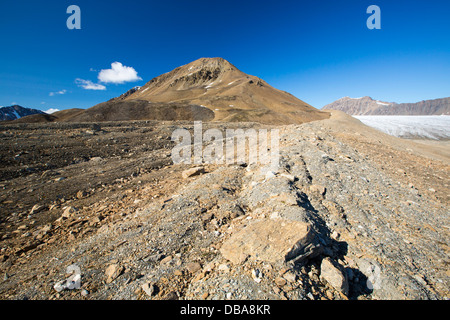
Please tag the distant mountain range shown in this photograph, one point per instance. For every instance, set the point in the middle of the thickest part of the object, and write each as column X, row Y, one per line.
column 368, row 106
column 17, row 112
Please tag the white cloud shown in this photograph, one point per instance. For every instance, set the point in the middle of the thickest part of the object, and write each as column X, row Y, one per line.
column 118, row 74
column 51, row 110
column 89, row 85
column 51, row 94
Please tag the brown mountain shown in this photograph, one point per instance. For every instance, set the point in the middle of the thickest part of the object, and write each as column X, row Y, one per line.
column 35, row 118
column 205, row 89
column 358, row 106
column 63, row 115
column 120, row 110
column 369, row 106
column 425, row 107
column 58, row 116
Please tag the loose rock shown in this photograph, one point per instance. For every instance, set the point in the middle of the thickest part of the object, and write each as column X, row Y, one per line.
column 149, row 289
column 193, row 267
column 333, row 274
column 287, row 240
column 112, row 272
column 192, row 172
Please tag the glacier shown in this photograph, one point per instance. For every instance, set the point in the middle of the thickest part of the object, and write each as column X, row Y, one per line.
column 411, row 127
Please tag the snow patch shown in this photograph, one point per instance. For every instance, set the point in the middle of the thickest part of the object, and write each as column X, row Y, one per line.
column 51, row 110
column 16, row 114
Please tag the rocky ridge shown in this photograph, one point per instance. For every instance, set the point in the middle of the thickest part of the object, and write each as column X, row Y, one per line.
column 17, row 112
column 368, row 106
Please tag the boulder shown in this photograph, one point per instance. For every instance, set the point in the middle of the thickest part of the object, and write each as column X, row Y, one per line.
column 275, row 241
column 69, row 212
column 333, row 274
column 36, row 209
column 81, row 194
column 193, row 267
column 318, row 190
column 112, row 272
column 149, row 289
column 192, row 172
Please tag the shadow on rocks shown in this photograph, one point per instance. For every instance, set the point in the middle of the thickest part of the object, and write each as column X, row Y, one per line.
column 358, row 283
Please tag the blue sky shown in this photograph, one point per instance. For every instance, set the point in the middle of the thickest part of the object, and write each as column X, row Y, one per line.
column 317, row 50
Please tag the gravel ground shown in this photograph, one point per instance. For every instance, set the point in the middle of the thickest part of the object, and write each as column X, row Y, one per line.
column 376, row 210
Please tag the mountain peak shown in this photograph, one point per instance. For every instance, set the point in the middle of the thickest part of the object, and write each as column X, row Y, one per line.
column 217, row 65
column 15, row 112
column 223, row 90
column 211, row 62
column 358, row 98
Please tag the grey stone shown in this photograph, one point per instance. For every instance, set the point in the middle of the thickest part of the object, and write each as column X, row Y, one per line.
column 332, row 273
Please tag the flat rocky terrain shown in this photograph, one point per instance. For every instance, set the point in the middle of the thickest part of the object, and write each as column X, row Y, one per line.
column 351, row 213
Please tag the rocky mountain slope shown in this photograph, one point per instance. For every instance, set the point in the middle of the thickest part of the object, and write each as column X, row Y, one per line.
column 426, row 107
column 16, row 112
column 351, row 213
column 369, row 106
column 122, row 110
column 205, row 89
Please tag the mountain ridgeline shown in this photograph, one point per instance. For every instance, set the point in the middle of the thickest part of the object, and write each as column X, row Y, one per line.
column 217, row 85
column 369, row 106
column 16, row 112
